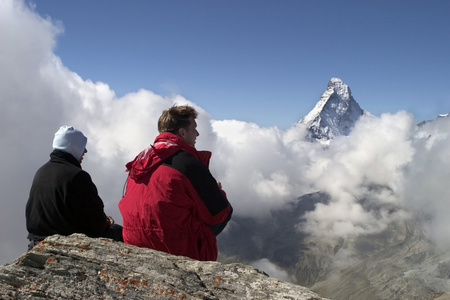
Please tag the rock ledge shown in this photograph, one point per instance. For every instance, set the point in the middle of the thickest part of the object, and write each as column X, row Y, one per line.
column 79, row 267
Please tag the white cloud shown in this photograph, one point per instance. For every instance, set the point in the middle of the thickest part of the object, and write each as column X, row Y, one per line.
column 427, row 177
column 271, row 269
column 363, row 174
column 260, row 171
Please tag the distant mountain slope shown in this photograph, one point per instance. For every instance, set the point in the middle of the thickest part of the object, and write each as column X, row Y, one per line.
column 397, row 263
column 334, row 114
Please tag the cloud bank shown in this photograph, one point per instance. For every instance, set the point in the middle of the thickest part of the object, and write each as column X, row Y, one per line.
column 271, row 269
column 385, row 170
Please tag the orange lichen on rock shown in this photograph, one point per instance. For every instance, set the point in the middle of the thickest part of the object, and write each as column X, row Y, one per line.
column 217, row 280
column 50, row 260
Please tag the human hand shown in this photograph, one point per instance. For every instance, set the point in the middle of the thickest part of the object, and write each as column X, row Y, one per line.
column 110, row 221
column 219, row 184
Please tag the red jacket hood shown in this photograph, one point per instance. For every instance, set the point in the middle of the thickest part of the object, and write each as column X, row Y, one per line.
column 165, row 145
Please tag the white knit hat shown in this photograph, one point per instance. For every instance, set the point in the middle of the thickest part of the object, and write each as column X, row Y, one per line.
column 70, row 140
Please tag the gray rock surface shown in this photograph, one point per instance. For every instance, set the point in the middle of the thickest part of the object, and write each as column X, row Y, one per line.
column 79, row 267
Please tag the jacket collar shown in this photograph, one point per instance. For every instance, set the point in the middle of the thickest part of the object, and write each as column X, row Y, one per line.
column 61, row 155
column 165, row 145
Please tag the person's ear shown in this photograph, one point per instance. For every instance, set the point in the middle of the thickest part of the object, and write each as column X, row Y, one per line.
column 182, row 132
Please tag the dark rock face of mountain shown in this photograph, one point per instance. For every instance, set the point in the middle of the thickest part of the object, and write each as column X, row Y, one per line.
column 78, row 267
column 335, row 113
column 275, row 238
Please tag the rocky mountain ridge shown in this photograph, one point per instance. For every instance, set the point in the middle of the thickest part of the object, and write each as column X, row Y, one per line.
column 79, row 267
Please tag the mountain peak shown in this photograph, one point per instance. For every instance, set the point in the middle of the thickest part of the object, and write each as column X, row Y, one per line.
column 339, row 87
column 334, row 114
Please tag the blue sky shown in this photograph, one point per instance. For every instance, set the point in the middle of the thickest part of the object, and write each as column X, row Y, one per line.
column 263, row 61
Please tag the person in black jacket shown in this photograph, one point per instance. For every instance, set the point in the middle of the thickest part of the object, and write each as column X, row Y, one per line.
column 63, row 199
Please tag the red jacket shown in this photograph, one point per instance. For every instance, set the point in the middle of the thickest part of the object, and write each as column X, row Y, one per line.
column 172, row 202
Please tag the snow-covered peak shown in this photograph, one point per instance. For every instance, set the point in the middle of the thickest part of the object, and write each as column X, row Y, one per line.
column 338, row 86
column 440, row 116
column 334, row 114
column 335, row 86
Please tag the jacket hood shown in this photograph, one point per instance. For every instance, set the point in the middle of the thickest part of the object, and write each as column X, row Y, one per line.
column 165, row 145
column 70, row 140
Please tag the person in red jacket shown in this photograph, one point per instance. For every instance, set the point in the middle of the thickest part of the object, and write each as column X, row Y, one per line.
column 172, row 202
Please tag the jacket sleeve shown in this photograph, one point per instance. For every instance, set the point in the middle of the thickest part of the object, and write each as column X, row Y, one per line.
column 87, row 206
column 218, row 209
column 218, row 228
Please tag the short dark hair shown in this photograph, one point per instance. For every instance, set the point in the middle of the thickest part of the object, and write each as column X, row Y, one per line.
column 176, row 117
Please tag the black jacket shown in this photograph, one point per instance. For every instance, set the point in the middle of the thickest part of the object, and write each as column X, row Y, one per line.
column 64, row 200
